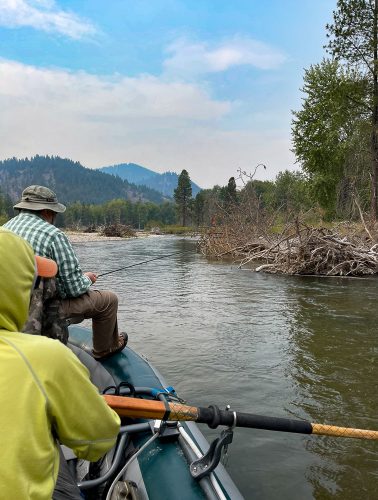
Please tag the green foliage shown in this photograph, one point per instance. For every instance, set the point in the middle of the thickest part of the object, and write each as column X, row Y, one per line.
column 285, row 197
column 353, row 39
column 351, row 35
column 137, row 215
column 3, row 219
column 265, row 193
column 288, row 194
column 231, row 195
column 291, row 192
column 183, row 196
column 206, row 204
column 329, row 128
column 6, row 208
column 199, row 208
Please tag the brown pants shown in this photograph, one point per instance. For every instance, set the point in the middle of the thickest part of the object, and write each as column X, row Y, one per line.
column 101, row 307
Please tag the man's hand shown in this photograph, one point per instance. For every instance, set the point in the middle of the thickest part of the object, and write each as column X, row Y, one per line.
column 91, row 276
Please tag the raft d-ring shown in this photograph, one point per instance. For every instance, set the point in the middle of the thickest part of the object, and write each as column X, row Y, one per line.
column 228, row 408
column 234, row 422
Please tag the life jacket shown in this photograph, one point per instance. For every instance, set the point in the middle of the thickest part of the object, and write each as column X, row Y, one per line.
column 44, row 318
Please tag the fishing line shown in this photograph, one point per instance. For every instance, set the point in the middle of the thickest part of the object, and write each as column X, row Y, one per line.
column 138, row 263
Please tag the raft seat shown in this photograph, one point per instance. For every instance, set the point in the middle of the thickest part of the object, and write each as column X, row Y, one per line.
column 99, row 376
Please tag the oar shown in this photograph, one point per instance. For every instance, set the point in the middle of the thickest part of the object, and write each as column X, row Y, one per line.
column 144, row 408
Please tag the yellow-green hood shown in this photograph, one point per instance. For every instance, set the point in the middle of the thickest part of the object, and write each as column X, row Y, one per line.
column 17, row 269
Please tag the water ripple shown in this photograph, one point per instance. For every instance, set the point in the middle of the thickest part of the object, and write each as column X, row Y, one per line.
column 274, row 345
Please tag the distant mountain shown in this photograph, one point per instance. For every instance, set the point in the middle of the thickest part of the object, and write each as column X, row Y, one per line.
column 165, row 183
column 70, row 180
column 130, row 172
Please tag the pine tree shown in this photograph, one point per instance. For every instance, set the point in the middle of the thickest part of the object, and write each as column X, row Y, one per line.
column 231, row 194
column 183, row 196
column 198, row 208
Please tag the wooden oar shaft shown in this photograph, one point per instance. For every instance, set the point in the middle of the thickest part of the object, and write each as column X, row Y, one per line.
column 349, row 432
column 144, row 408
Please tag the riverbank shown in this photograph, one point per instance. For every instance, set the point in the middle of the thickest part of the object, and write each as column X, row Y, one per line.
column 80, row 237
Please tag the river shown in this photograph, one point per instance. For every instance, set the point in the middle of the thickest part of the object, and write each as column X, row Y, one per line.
column 284, row 346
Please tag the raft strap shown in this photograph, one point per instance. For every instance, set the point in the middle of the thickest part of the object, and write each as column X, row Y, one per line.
column 167, row 409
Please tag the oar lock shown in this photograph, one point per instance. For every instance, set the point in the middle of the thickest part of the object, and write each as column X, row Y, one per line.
column 218, row 448
column 168, row 431
column 203, row 466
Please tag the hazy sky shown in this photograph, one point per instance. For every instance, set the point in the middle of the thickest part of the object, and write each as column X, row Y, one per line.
column 205, row 85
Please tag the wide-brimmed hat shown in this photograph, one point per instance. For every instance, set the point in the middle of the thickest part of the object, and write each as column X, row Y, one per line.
column 40, row 198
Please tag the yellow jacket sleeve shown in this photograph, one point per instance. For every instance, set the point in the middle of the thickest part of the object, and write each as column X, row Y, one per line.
column 80, row 417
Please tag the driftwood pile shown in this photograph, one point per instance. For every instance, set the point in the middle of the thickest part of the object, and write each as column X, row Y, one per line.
column 119, row 230
column 302, row 250
column 90, row 229
column 230, row 241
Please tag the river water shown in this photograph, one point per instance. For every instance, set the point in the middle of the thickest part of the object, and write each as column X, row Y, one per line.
column 297, row 347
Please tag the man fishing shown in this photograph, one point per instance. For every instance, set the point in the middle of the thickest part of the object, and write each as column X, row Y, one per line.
column 38, row 209
column 34, row 374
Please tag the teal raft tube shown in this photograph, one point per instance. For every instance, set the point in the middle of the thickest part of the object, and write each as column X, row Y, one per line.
column 152, row 460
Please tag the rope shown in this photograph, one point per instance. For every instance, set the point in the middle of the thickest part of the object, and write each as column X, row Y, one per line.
column 147, row 443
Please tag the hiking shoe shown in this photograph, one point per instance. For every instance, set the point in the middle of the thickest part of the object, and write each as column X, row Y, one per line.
column 122, row 341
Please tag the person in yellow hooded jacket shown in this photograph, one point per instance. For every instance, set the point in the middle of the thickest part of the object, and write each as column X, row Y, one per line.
column 45, row 392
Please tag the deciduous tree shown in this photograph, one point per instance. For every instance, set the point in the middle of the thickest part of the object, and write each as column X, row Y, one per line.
column 330, row 130
column 354, row 40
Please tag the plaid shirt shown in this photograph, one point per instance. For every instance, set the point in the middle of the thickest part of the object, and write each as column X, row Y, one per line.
column 49, row 241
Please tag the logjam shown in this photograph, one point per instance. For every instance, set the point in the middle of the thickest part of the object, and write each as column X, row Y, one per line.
column 119, row 230
column 299, row 249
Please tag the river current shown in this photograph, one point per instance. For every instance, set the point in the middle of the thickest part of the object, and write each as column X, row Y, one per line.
column 284, row 346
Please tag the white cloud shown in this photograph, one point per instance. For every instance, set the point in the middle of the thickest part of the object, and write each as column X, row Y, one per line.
column 106, row 120
column 43, row 15
column 93, row 119
column 89, row 96
column 187, row 58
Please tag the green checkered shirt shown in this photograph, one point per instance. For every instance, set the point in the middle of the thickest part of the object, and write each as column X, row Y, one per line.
column 49, row 241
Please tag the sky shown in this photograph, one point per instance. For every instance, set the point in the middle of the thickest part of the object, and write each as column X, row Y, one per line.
column 203, row 85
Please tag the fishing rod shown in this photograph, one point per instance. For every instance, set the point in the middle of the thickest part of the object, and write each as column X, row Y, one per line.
column 213, row 416
column 138, row 264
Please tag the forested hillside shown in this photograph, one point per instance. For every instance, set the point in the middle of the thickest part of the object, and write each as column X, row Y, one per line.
column 129, row 171
column 70, row 180
column 165, row 183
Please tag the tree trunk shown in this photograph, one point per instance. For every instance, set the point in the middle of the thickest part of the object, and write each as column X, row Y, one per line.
column 184, row 208
column 374, row 134
column 184, row 216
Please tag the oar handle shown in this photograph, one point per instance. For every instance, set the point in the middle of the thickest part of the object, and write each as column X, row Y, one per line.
column 213, row 416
